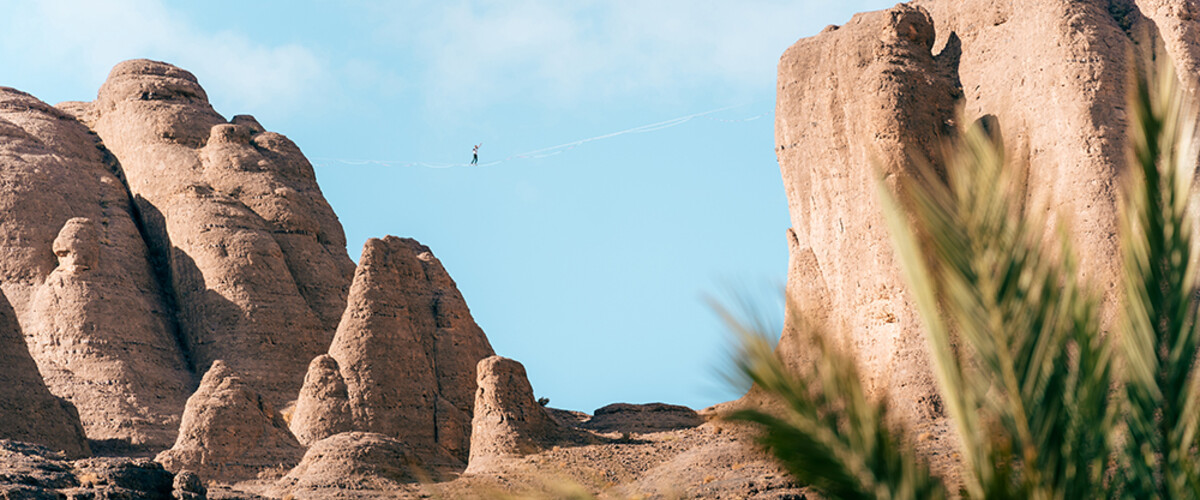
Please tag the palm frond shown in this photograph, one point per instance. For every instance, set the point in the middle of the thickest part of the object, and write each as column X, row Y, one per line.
column 1025, row 412
column 827, row 433
column 1159, row 334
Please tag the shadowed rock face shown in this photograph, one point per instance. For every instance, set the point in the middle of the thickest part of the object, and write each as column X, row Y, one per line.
column 256, row 257
column 406, row 351
column 93, row 315
column 868, row 94
column 28, row 412
column 229, row 432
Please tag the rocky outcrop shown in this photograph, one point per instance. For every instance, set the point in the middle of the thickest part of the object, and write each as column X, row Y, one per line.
column 35, row 472
column 352, row 461
column 508, row 421
column 229, row 432
column 256, row 257
column 28, row 412
column 643, row 418
column 128, row 387
column 406, row 350
column 852, row 100
column 97, row 324
column 323, row 408
column 871, row 94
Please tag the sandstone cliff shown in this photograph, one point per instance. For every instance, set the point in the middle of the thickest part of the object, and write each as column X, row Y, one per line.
column 880, row 90
column 255, row 256
column 864, row 94
column 94, row 317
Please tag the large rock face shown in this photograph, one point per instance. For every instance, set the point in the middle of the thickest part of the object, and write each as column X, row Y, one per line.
column 256, row 257
column 230, row 432
column 406, row 350
column 95, row 318
column 871, row 93
column 852, row 99
column 128, row 387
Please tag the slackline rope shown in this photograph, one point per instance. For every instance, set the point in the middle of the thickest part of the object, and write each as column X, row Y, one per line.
column 549, row 151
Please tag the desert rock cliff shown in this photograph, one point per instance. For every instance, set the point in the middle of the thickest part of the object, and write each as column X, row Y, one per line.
column 879, row 92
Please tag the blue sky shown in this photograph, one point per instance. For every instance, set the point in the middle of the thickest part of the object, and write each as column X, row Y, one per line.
column 590, row 266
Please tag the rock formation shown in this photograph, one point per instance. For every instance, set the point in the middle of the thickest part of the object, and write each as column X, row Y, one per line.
column 643, row 418
column 28, row 412
column 1054, row 75
column 35, row 472
column 323, row 408
column 127, row 387
column 255, row 256
column 508, row 421
column 406, row 350
column 229, row 432
column 53, row 169
column 352, row 461
column 188, row 486
column 876, row 73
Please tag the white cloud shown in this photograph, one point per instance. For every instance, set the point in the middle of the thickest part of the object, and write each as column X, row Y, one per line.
column 89, row 37
column 489, row 50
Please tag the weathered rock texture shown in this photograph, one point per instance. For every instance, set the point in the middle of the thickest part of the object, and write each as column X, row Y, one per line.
column 406, row 350
column 351, row 461
column 95, row 319
column 127, row 386
column 852, row 99
column 28, row 412
column 323, row 408
column 230, row 432
column 508, row 421
column 868, row 94
column 255, row 256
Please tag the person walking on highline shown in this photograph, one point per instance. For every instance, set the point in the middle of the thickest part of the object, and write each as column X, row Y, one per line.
column 475, row 154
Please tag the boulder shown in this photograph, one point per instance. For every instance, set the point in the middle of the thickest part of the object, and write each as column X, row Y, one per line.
column 30, row 471
column 188, row 486
column 508, row 421
column 230, row 433
column 133, row 479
